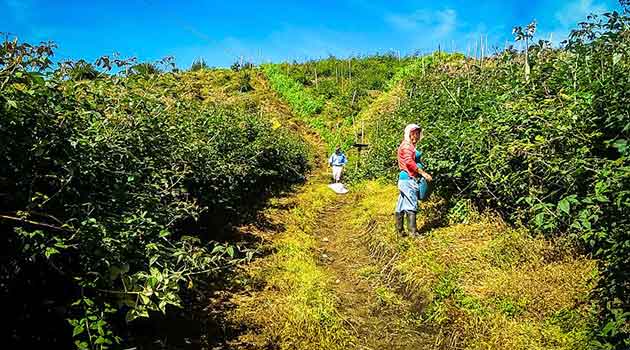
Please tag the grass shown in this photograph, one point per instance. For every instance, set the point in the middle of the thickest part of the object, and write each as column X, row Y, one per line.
column 481, row 285
column 474, row 285
column 295, row 309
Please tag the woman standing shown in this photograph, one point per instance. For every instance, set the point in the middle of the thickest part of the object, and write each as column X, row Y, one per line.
column 408, row 178
column 337, row 161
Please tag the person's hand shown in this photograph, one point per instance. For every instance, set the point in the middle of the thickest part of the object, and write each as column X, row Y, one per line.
column 427, row 177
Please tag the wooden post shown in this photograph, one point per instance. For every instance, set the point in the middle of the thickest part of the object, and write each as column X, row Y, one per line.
column 354, row 129
column 362, row 134
column 482, row 50
column 487, row 49
column 350, row 69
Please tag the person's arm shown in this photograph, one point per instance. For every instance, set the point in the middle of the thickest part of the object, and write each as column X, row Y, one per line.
column 422, row 166
column 408, row 158
column 426, row 175
column 344, row 160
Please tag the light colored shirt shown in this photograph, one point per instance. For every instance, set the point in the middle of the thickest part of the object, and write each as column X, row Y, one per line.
column 337, row 159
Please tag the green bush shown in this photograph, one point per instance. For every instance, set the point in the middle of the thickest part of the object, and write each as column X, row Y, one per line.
column 119, row 186
column 328, row 94
column 300, row 101
column 549, row 151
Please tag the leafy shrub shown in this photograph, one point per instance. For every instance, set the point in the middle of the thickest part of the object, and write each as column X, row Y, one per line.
column 301, row 102
column 548, row 149
column 117, row 188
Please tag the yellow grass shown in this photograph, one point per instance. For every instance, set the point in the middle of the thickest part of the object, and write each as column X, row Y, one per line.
column 482, row 285
column 296, row 308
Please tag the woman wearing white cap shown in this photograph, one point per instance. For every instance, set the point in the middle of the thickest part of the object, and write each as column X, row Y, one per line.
column 408, row 178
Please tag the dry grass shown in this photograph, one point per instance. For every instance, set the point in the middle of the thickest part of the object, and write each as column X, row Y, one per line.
column 482, row 285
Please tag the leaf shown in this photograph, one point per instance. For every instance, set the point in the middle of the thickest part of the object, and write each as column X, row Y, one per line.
column 539, row 219
column 564, row 206
column 230, row 251
column 153, row 259
column 77, row 330
column 217, row 249
column 50, row 251
column 609, row 328
column 145, row 299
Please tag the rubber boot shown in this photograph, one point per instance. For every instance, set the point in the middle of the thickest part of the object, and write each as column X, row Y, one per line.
column 411, row 217
column 400, row 223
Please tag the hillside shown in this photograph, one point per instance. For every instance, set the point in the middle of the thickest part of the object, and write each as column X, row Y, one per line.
column 151, row 208
column 526, row 239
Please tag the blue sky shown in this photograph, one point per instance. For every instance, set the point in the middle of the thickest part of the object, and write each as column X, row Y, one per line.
column 222, row 31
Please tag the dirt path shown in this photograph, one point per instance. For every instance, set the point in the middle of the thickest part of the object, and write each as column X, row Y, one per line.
column 320, row 288
column 377, row 321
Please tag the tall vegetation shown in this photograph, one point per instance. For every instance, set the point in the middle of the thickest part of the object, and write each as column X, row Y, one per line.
column 198, row 64
column 547, row 149
column 329, row 94
column 115, row 191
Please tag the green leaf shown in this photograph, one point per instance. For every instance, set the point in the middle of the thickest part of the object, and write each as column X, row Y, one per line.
column 539, row 220
column 153, row 259
column 230, row 251
column 564, row 206
column 77, row 330
column 81, row 345
column 145, row 299
column 609, row 328
column 50, row 251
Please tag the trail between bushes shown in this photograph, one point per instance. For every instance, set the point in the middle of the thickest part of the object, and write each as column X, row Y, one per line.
column 333, row 274
column 347, row 260
column 320, row 287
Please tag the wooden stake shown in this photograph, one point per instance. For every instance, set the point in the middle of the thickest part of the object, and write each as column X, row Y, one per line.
column 362, row 131
column 483, row 50
column 487, row 50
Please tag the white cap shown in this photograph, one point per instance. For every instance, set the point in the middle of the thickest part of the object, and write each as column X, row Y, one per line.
column 408, row 129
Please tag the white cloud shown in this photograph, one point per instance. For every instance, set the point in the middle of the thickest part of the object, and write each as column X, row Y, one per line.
column 567, row 17
column 576, row 11
column 439, row 23
column 447, row 20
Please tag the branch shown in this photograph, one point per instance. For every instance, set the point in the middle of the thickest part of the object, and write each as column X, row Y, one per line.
column 34, row 223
